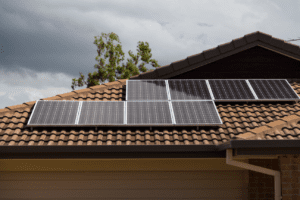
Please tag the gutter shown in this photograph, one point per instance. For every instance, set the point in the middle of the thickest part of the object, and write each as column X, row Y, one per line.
column 276, row 174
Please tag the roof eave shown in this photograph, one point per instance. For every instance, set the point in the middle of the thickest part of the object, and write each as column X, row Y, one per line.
column 232, row 144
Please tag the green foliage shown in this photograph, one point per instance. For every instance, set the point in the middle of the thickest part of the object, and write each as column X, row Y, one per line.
column 113, row 70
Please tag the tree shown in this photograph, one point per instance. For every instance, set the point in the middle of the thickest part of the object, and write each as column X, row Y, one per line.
column 108, row 71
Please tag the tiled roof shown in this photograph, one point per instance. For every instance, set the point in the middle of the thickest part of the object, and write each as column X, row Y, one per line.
column 274, row 121
column 222, row 51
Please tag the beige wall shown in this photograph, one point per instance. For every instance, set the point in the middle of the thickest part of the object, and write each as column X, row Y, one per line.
column 138, row 164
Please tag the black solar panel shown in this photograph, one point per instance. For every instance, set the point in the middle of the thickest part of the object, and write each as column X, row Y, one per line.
column 196, row 112
column 146, row 90
column 54, row 113
column 146, row 112
column 101, row 112
column 188, row 89
column 231, row 89
column 273, row 89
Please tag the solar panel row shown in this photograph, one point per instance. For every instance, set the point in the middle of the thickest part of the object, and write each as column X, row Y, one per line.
column 137, row 113
column 218, row 90
column 157, row 102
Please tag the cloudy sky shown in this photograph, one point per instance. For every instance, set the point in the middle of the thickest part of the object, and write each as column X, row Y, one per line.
column 45, row 44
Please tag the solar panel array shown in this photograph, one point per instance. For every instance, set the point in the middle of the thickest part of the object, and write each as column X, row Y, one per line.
column 162, row 102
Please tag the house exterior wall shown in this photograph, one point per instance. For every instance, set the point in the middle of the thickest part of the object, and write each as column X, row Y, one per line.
column 290, row 176
column 165, row 178
column 256, row 62
column 261, row 186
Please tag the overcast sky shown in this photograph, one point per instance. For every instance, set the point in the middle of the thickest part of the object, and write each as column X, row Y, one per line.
column 45, row 44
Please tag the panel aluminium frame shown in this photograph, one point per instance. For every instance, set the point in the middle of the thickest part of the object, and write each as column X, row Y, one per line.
column 234, row 100
column 125, row 112
column 209, row 89
column 168, row 90
column 172, row 112
column 33, row 111
column 253, row 92
column 293, row 91
column 296, row 99
column 78, row 112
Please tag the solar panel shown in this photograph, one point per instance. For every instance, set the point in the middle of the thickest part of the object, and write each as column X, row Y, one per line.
column 101, row 112
column 273, row 89
column 54, row 113
column 148, row 112
column 196, row 113
column 232, row 90
column 188, row 89
column 146, row 90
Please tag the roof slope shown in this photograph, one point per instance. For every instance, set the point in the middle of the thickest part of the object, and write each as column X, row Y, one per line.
column 258, row 121
column 222, row 51
column 241, row 121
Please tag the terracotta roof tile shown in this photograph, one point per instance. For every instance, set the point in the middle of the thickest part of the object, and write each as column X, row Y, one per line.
column 164, row 70
column 238, row 42
column 195, row 58
column 211, row 53
column 180, row 64
column 277, row 42
column 223, row 48
column 251, row 37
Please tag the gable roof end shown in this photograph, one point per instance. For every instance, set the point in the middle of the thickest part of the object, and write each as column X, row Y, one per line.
column 211, row 55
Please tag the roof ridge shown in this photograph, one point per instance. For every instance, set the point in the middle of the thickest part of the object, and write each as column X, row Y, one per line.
column 260, row 132
column 101, row 87
column 221, row 51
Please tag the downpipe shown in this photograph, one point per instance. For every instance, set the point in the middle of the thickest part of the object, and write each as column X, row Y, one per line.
column 276, row 174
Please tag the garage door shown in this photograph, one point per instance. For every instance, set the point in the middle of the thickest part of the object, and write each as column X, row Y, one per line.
column 207, row 184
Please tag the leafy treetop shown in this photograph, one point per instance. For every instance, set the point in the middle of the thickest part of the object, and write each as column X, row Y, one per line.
column 113, row 52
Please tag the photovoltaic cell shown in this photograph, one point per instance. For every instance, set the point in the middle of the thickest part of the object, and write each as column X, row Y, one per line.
column 54, row 113
column 231, row 89
column 101, row 112
column 146, row 90
column 185, row 89
column 148, row 112
column 273, row 89
column 195, row 113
